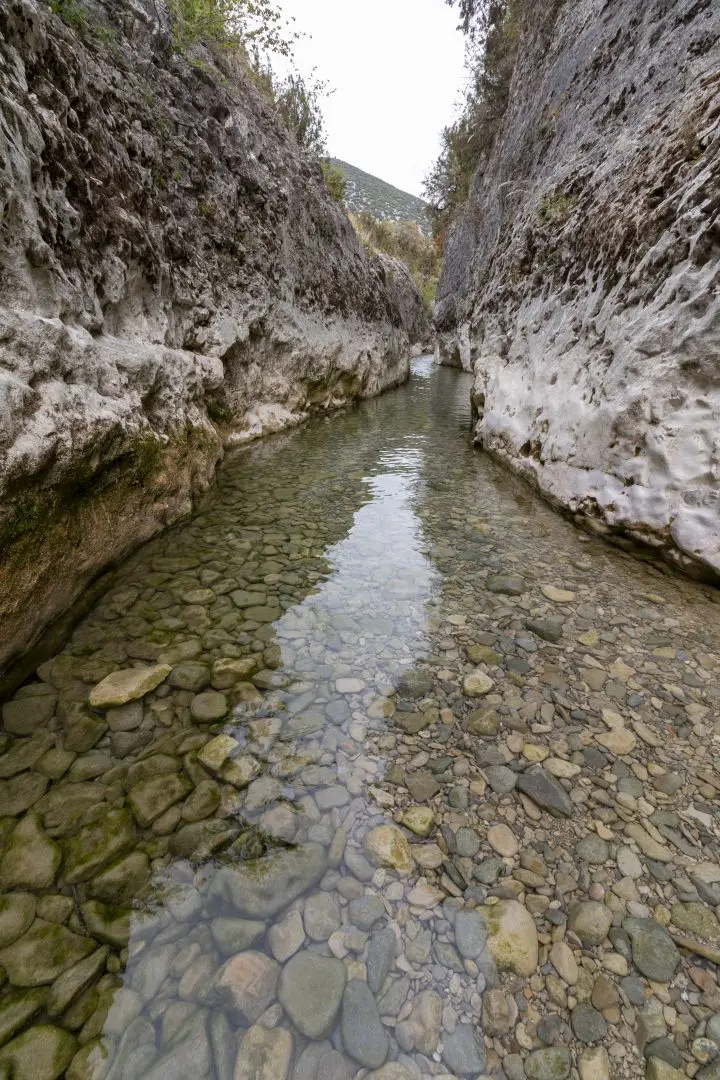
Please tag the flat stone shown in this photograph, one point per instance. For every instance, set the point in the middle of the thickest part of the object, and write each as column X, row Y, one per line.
column 365, row 911
column 311, row 992
column 467, row 842
column 23, row 754
column 17, row 911
column 558, row 596
column 546, row 792
column 208, row 706
column 126, row 717
column 692, row 917
column 190, row 675
column 484, row 723
column 551, row 1063
column 42, row 1052
column 587, row 1023
column 31, row 858
column 421, row 1030
column 470, row 934
column 564, row 962
column 647, row 844
column 594, row 1064
column 477, row 684
column 619, row 741
column 660, row 1070
column 26, row 715
column 349, row 686
column 413, row 722
column 265, row 1054
column 503, row 840
column 246, row 985
column 380, row 955
column 422, row 785
column 76, row 979
column 462, row 1052
column 235, row 935
column 628, row 862
column 122, row 880
column 97, row 845
column 17, row 1008
column 592, row 849
column 321, row 916
column 44, row 951
column 127, row 685
column 21, row 792
column 513, row 940
column 386, row 845
column 653, row 950
column 508, row 585
column 151, row 798
column 363, row 1035
column 107, row 922
column 262, row 888
column 286, row 936
column 590, row 920
column 501, row 779
column 419, row 820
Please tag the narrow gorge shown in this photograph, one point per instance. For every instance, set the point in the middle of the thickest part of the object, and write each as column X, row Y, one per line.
column 337, row 741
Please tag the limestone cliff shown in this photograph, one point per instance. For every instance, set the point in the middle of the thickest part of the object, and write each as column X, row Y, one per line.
column 581, row 282
column 174, row 276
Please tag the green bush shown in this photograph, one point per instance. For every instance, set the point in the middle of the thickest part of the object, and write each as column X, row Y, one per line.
column 403, row 240
column 231, row 24
column 335, row 181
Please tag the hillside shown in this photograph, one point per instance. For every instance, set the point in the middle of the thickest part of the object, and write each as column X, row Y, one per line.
column 385, row 202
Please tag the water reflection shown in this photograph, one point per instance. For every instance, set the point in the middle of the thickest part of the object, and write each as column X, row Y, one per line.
column 200, row 882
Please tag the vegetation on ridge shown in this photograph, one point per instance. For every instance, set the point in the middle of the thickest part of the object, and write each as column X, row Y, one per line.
column 403, row 240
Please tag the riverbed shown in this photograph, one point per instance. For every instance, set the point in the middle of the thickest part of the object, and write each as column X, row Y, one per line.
column 374, row 767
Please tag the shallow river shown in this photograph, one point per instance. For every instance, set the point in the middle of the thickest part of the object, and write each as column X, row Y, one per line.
column 409, row 773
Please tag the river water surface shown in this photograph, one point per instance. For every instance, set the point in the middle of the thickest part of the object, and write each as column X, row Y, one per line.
column 367, row 624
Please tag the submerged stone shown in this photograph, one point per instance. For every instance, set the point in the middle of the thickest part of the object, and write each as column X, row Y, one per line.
column 97, row 845
column 127, row 685
column 311, row 991
column 261, row 888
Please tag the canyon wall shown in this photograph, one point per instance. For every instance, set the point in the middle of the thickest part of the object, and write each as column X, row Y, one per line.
column 174, row 278
column 581, row 281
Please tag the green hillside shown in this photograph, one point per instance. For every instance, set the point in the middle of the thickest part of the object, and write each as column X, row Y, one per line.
column 385, row 202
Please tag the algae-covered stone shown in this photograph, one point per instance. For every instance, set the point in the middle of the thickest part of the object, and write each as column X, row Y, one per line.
column 21, row 792
column 512, row 937
column 235, row 935
column 127, row 685
column 151, row 798
column 477, row 684
column 91, row 1061
column 76, row 979
column 550, row 1063
column 208, row 706
column 97, row 845
column 42, row 953
column 218, row 751
column 40, row 1053
column 107, row 922
column 386, row 845
column 27, row 714
column 23, row 754
column 17, row 1008
column 419, row 820
column 31, row 858
column 261, row 888
column 17, row 911
column 696, row 918
column 653, row 951
column 123, row 880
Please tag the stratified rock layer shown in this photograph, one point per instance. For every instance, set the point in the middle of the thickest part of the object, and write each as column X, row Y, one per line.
column 175, row 276
column 581, row 284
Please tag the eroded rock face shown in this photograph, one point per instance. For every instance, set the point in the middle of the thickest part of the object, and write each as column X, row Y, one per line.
column 581, row 286
column 175, row 277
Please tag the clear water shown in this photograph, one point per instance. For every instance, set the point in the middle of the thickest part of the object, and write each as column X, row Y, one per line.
column 348, row 563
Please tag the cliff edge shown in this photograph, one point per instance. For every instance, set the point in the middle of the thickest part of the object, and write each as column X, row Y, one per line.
column 582, row 281
column 174, row 277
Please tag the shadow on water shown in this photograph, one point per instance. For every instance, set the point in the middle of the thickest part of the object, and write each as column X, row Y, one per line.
column 188, row 885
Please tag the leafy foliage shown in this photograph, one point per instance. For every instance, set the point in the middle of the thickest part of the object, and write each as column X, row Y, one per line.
column 493, row 28
column 335, row 181
column 298, row 101
column 231, row 24
column 403, row 240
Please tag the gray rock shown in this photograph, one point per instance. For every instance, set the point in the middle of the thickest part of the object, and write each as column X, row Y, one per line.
column 592, row 849
column 381, row 952
column 488, row 870
column 365, row 911
column 235, row 935
column 590, row 920
column 467, row 842
column 546, row 792
column 462, row 1052
column 311, row 992
column 364, row 1036
column 501, row 779
column 654, row 952
column 470, row 934
column 422, row 785
column 321, row 916
column 263, row 888
column 587, row 1023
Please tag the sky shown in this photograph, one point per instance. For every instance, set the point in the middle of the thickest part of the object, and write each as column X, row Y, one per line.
column 396, row 68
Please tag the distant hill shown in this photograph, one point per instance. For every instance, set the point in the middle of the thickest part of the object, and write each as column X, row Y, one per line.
column 385, row 202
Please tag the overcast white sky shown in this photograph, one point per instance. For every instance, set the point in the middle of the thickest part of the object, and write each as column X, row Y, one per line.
column 397, row 69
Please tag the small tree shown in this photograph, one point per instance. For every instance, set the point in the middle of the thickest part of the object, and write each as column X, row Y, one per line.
column 335, row 181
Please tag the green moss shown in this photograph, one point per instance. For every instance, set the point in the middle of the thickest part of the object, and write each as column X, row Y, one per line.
column 556, row 208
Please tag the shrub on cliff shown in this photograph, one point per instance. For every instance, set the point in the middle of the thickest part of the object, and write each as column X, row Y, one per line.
column 403, row 240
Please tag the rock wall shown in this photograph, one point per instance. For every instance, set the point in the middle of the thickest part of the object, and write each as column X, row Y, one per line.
column 581, row 283
column 174, row 277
